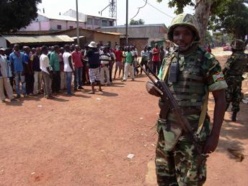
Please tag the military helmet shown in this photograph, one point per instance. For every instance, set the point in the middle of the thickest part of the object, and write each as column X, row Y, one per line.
column 238, row 44
column 184, row 20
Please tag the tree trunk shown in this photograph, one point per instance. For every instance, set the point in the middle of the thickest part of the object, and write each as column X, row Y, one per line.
column 202, row 12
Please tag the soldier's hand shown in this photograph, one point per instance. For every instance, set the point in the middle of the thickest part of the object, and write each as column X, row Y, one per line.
column 211, row 144
column 151, row 89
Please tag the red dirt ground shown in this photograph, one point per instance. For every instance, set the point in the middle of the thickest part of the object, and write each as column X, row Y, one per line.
column 85, row 140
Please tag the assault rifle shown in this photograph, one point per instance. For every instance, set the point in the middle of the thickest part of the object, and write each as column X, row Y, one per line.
column 170, row 104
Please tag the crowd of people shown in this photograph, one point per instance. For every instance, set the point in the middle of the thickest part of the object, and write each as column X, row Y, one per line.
column 52, row 70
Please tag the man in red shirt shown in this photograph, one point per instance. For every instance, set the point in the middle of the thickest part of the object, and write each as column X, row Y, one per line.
column 118, row 64
column 77, row 59
column 155, row 59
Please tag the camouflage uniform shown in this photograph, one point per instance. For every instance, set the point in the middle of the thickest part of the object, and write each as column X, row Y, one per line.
column 199, row 72
column 233, row 71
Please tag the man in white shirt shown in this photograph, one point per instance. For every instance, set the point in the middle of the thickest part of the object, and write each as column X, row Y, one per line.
column 4, row 80
column 46, row 72
column 68, row 68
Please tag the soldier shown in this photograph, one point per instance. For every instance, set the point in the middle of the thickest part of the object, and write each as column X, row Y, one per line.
column 233, row 71
column 190, row 73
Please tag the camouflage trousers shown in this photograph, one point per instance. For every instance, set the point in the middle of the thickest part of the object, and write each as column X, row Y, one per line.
column 233, row 92
column 182, row 166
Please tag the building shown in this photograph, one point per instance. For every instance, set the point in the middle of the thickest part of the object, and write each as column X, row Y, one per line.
column 45, row 22
column 61, row 29
column 140, row 35
column 67, row 21
column 88, row 35
column 92, row 21
column 59, row 37
column 34, row 40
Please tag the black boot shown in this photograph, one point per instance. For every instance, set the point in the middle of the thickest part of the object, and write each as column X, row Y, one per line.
column 234, row 116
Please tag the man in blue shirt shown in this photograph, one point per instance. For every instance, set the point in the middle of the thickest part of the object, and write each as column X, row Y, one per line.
column 17, row 59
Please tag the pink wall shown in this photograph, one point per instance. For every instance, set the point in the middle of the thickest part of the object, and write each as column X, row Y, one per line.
column 51, row 25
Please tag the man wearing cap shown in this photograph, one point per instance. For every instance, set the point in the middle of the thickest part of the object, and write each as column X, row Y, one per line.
column 4, row 80
column 190, row 73
column 94, row 66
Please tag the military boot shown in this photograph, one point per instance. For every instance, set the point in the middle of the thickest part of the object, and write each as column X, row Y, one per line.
column 234, row 114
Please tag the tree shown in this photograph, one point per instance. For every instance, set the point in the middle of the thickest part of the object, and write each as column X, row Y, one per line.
column 231, row 19
column 203, row 9
column 137, row 22
column 208, row 38
column 15, row 14
column 202, row 12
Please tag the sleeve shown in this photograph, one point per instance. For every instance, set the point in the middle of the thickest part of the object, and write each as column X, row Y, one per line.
column 164, row 68
column 114, row 57
column 229, row 62
column 51, row 62
column 11, row 58
column 88, row 54
column 25, row 58
column 214, row 75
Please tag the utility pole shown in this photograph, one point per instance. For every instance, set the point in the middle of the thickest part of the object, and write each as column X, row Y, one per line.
column 126, row 22
column 77, row 22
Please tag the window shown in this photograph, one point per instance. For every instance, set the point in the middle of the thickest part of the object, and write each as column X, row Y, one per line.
column 96, row 22
column 59, row 27
column 89, row 21
column 104, row 23
column 111, row 23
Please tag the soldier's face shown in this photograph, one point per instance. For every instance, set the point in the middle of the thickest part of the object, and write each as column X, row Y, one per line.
column 183, row 37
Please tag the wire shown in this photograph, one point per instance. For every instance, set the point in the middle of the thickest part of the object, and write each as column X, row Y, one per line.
column 159, row 10
column 139, row 9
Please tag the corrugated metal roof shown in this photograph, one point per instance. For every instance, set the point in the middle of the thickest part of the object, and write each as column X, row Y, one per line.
column 75, row 37
column 134, row 26
column 38, row 39
column 112, row 33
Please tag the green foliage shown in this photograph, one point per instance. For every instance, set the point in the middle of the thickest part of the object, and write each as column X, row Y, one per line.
column 221, row 39
column 179, row 4
column 15, row 14
column 230, row 17
column 137, row 22
column 208, row 38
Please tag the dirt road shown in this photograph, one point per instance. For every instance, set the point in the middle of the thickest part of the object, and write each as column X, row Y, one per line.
column 103, row 139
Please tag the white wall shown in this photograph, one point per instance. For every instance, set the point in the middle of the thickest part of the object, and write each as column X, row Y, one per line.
column 37, row 26
column 3, row 42
column 51, row 25
column 64, row 24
